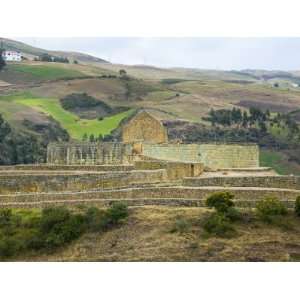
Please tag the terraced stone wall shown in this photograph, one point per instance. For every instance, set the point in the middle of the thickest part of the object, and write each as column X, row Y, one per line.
column 175, row 170
column 187, row 196
column 49, row 167
column 49, row 182
column 284, row 182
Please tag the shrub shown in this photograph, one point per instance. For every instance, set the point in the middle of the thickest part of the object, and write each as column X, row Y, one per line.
column 221, row 201
column 297, row 206
column 54, row 227
column 117, row 212
column 181, row 225
column 5, row 216
column 98, row 220
column 94, row 219
column 233, row 214
column 9, row 246
column 269, row 208
column 217, row 224
column 53, row 217
column 57, row 227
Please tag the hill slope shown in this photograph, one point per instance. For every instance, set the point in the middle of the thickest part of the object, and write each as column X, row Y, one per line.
column 149, row 235
column 30, row 51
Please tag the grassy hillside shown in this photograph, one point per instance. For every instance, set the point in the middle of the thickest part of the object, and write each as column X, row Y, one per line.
column 279, row 162
column 170, row 94
column 38, row 72
column 30, row 51
column 45, row 72
column 23, row 106
column 175, row 234
column 75, row 126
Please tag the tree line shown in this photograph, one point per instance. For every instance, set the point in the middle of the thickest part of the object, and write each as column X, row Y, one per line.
column 255, row 118
column 23, row 147
column 50, row 58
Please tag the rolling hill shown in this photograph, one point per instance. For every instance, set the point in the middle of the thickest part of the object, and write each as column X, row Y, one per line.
column 30, row 51
column 31, row 90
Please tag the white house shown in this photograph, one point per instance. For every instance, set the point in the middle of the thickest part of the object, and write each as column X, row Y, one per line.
column 12, row 55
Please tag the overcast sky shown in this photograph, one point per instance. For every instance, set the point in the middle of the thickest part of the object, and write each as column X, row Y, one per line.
column 204, row 53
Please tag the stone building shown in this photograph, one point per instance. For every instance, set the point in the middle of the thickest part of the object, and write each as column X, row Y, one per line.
column 144, row 128
column 144, row 138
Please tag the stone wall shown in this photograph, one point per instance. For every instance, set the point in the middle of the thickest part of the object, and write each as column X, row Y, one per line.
column 217, row 156
column 88, row 153
column 285, row 182
column 49, row 182
column 213, row 156
column 175, row 170
column 189, row 196
column 49, row 167
column 145, row 128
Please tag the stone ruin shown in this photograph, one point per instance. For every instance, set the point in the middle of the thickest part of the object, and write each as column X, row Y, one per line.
column 143, row 169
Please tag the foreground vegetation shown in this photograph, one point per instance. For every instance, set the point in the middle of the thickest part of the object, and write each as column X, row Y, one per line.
column 23, row 231
column 220, row 232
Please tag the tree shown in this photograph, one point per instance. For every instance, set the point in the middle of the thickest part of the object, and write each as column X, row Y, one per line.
column 85, row 137
column 75, row 62
column 45, row 57
column 92, row 138
column 2, row 61
column 122, row 72
column 100, row 137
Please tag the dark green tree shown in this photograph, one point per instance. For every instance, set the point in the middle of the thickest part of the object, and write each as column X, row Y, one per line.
column 92, row 138
column 85, row 137
column 122, row 72
column 2, row 61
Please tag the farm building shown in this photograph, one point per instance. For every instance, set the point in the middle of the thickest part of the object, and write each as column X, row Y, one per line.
column 12, row 55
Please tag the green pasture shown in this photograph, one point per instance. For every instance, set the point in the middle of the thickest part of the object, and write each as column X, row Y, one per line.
column 73, row 124
column 45, row 72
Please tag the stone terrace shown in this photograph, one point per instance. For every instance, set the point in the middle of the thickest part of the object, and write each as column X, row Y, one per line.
column 149, row 184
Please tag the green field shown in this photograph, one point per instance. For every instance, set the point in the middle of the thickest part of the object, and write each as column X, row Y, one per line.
column 45, row 72
column 73, row 124
column 277, row 161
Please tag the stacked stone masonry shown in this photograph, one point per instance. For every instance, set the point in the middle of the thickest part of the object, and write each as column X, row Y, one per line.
column 49, row 182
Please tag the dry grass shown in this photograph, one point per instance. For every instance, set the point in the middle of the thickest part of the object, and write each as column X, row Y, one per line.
column 147, row 236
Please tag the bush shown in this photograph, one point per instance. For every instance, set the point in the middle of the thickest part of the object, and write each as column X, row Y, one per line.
column 97, row 219
column 217, row 224
column 117, row 212
column 57, row 227
column 54, row 227
column 233, row 214
column 53, row 217
column 9, row 246
column 83, row 100
column 221, row 201
column 297, row 206
column 181, row 225
column 269, row 208
column 5, row 216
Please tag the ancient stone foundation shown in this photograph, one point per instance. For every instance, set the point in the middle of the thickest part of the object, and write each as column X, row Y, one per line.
column 147, row 182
